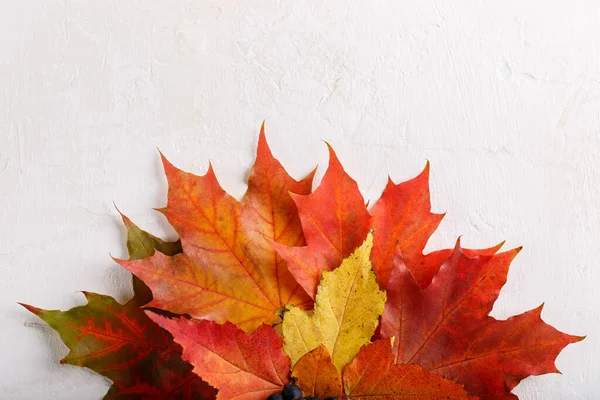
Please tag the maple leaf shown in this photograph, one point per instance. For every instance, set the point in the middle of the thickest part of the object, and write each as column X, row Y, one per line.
column 334, row 220
column 446, row 328
column 373, row 375
column 347, row 309
column 121, row 343
column 228, row 271
column 402, row 215
column 317, row 375
column 241, row 366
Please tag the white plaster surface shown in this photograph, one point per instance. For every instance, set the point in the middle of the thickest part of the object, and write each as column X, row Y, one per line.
column 503, row 97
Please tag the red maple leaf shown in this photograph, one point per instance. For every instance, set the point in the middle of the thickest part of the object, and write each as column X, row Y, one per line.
column 240, row 365
column 446, row 327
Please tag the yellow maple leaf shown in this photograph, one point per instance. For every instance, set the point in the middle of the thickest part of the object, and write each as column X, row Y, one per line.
column 348, row 305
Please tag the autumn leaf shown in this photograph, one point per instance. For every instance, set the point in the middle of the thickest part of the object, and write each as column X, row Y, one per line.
column 227, row 271
column 241, row 366
column 141, row 244
column 347, row 309
column 269, row 214
column 402, row 216
column 373, row 375
column 404, row 222
column 121, row 343
column 335, row 221
column 446, row 328
column 316, row 374
column 502, row 353
column 464, row 291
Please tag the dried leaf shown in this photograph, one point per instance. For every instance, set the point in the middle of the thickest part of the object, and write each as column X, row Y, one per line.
column 317, row 376
column 280, row 248
column 373, row 375
column 402, row 215
column 121, row 343
column 241, row 366
column 445, row 327
column 270, row 214
column 335, row 221
column 227, row 272
column 502, row 353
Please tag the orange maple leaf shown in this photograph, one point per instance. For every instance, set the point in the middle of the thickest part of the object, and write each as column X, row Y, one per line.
column 228, row 271
column 317, row 375
column 373, row 375
column 335, row 221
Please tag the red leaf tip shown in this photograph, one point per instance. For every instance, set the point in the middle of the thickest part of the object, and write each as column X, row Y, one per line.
column 163, row 158
column 126, row 220
column 457, row 245
column 210, row 171
column 426, row 169
column 390, row 182
column 333, row 159
column 115, row 259
column 311, row 175
column 169, row 167
column 31, row 309
column 263, row 150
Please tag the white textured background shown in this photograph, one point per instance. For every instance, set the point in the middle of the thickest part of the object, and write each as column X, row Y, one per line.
column 503, row 97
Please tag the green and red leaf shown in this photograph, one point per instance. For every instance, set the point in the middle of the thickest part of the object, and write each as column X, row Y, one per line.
column 121, row 343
